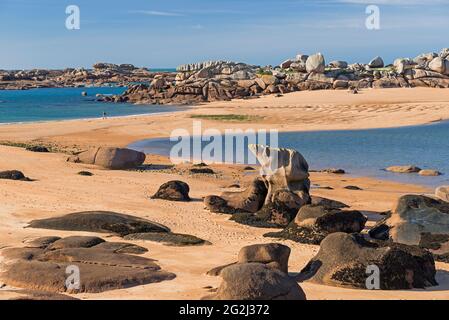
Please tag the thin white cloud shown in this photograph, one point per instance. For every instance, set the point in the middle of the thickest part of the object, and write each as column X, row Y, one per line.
column 158, row 13
column 396, row 2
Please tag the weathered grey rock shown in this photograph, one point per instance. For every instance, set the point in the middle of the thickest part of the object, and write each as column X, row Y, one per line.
column 255, row 281
column 100, row 269
column 377, row 62
column 283, row 169
column 338, row 64
column 173, row 191
column 425, row 58
column 316, row 63
column 403, row 169
column 429, row 173
column 438, row 64
column 344, row 259
column 417, row 220
column 444, row 53
column 313, row 223
column 110, row 158
column 286, row 64
column 442, row 193
column 99, row 221
column 402, row 65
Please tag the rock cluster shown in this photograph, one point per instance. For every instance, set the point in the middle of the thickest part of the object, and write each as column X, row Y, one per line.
column 43, row 263
column 100, row 75
column 224, row 80
column 274, row 198
column 261, row 273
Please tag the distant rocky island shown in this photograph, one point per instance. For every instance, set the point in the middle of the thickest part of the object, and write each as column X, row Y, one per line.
column 225, row 80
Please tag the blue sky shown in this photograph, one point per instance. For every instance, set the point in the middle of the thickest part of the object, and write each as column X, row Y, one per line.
column 156, row 33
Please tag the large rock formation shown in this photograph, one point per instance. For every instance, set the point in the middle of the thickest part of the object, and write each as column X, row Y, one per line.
column 100, row 267
column 283, row 169
column 314, row 223
column 99, row 221
column 348, row 260
column 417, row 220
column 273, row 199
column 256, row 281
column 110, row 158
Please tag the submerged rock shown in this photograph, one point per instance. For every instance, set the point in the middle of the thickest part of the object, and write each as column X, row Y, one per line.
column 347, row 260
column 403, row 169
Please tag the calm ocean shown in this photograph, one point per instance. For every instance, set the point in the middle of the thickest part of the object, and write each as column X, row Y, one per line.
column 64, row 104
column 363, row 152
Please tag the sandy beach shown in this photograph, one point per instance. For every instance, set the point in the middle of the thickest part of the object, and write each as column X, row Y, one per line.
column 298, row 111
column 58, row 190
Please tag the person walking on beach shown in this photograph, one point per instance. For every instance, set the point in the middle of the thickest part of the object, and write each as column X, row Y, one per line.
column 104, row 115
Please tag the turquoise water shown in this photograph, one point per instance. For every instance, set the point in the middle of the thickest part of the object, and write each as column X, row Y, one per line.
column 64, row 104
column 363, row 152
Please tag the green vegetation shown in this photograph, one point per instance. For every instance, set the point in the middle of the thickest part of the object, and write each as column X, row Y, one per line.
column 226, row 117
column 263, row 72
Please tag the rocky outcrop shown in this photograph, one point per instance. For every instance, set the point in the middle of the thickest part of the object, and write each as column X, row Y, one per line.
column 110, row 158
column 314, row 223
column 255, row 281
column 377, row 62
column 417, row 220
column 348, row 260
column 99, row 221
column 101, row 267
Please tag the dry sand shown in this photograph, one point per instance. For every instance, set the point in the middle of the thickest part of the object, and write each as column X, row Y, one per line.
column 59, row 190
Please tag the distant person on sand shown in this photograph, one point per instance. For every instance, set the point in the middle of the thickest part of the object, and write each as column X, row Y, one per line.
column 104, row 115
